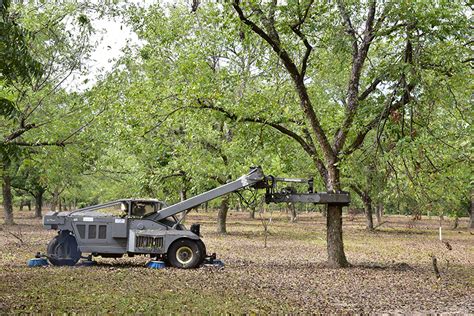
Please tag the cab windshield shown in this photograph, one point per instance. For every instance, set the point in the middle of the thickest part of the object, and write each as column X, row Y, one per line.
column 140, row 209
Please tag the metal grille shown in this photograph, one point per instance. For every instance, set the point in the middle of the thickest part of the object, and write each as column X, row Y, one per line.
column 149, row 242
column 92, row 232
column 82, row 231
column 102, row 231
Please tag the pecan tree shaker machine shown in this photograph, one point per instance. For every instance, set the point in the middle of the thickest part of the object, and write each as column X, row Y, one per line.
column 150, row 227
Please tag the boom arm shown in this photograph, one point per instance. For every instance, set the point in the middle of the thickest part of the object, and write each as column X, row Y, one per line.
column 256, row 178
column 253, row 177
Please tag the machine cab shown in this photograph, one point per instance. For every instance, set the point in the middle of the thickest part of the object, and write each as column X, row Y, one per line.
column 140, row 208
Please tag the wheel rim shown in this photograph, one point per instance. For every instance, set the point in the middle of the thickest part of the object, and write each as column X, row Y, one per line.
column 184, row 255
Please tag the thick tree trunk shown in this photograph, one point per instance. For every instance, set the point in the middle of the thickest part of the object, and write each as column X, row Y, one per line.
column 335, row 245
column 222, row 215
column 7, row 196
column 368, row 211
column 39, row 204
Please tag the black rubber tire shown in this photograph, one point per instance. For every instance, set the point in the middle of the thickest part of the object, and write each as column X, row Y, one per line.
column 62, row 250
column 202, row 249
column 185, row 254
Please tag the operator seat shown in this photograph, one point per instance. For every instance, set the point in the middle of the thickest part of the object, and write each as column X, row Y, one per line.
column 138, row 210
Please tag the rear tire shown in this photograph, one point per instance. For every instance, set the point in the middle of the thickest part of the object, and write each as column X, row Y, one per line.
column 63, row 251
column 185, row 254
column 202, row 249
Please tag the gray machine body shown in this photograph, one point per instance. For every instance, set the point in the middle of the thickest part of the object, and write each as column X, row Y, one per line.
column 150, row 227
column 107, row 235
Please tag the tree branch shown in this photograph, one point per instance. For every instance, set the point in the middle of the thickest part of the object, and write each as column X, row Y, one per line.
column 359, row 55
column 370, row 89
column 359, row 139
column 84, row 125
column 19, row 132
column 276, row 126
column 305, row 101
column 296, row 29
column 40, row 144
column 357, row 190
column 348, row 23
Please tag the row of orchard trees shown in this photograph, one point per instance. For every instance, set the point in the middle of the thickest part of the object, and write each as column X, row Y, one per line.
column 370, row 97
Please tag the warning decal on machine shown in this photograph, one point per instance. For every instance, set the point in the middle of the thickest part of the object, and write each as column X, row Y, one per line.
column 120, row 220
column 88, row 219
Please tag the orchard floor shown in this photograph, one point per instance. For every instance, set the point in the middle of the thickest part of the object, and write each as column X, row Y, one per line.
column 391, row 271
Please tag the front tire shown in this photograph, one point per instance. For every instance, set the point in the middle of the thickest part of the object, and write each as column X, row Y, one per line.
column 63, row 250
column 185, row 254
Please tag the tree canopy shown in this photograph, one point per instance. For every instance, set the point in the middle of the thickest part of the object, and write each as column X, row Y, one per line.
column 369, row 97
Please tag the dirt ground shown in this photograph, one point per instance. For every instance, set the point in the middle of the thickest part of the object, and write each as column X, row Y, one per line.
column 391, row 271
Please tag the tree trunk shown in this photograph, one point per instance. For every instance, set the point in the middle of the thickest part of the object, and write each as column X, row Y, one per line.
column 379, row 213
column 365, row 197
column 7, row 196
column 252, row 212
column 39, row 203
column 456, row 222
column 222, row 215
column 335, row 244
column 471, row 224
column 471, row 213
column 292, row 209
column 54, row 202
column 368, row 211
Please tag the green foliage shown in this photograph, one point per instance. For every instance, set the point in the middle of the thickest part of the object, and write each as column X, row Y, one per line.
column 196, row 102
column 16, row 60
